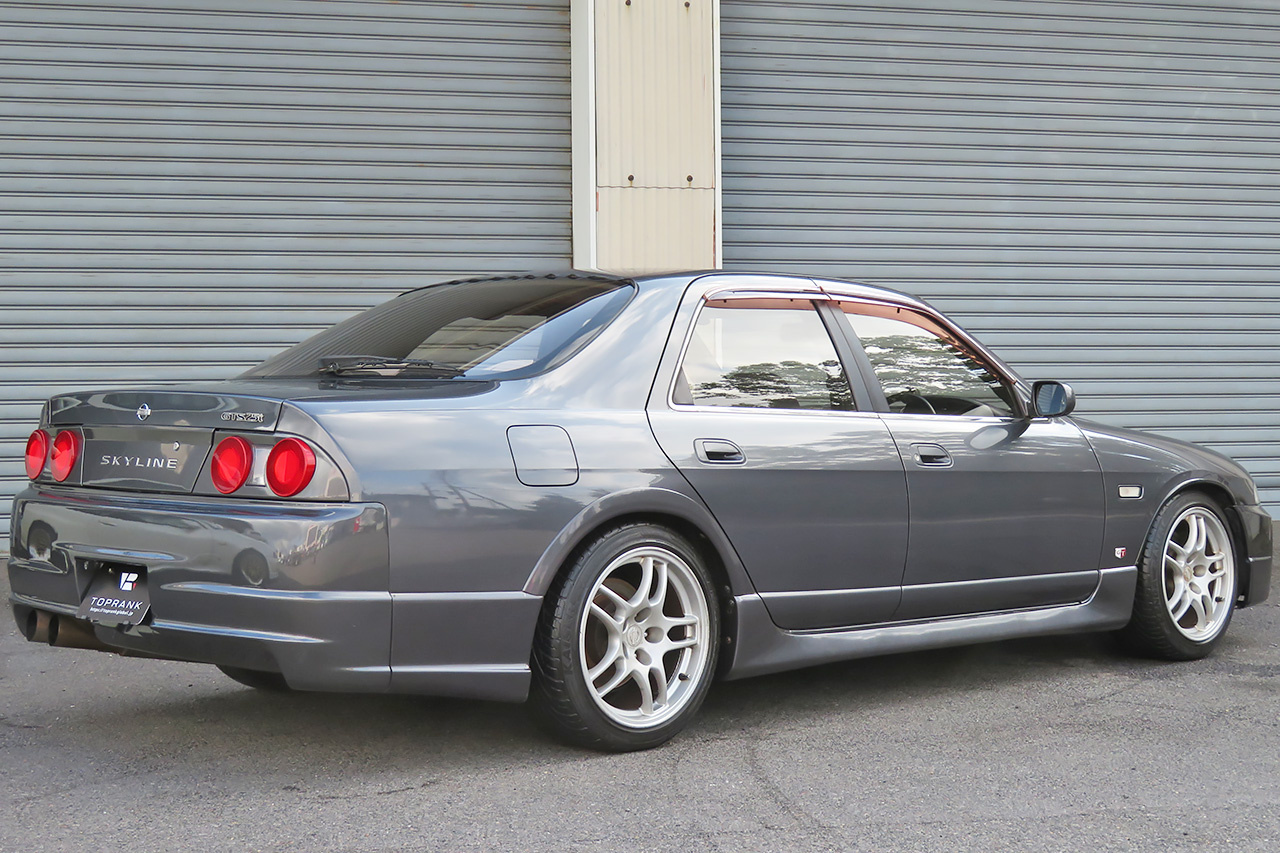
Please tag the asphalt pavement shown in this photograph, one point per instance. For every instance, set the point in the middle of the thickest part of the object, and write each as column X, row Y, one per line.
column 1035, row 745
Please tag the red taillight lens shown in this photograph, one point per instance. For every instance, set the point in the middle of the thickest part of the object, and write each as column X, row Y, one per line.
column 37, row 452
column 290, row 466
column 66, row 449
column 231, row 463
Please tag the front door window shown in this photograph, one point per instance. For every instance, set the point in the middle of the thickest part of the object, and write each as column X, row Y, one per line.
column 925, row 370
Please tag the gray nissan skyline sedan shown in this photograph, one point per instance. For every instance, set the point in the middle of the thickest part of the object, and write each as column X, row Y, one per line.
column 600, row 494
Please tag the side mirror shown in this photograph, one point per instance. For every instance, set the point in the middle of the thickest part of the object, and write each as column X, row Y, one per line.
column 1051, row 399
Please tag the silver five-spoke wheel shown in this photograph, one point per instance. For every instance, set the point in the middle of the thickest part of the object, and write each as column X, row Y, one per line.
column 1199, row 574
column 643, row 639
column 627, row 640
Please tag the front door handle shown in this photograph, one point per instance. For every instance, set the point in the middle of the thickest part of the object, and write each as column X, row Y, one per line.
column 718, row 451
column 931, row 455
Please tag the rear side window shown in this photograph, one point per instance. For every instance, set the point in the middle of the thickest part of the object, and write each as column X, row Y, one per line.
column 493, row 329
column 762, row 354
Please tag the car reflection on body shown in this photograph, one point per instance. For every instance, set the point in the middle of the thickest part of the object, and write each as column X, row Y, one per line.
column 600, row 494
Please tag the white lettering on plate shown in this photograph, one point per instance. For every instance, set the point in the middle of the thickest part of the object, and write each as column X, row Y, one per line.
column 139, row 462
column 113, row 603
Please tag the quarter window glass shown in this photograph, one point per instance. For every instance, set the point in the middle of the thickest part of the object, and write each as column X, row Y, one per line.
column 922, row 372
column 762, row 354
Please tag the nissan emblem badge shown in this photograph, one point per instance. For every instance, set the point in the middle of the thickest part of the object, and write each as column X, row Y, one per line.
column 144, row 412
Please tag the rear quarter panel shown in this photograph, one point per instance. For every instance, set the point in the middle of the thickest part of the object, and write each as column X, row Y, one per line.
column 458, row 515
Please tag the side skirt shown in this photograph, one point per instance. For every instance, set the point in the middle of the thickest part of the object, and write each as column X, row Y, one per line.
column 763, row 647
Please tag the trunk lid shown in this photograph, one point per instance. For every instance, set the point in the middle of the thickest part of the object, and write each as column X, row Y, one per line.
column 166, row 407
column 154, row 440
column 158, row 439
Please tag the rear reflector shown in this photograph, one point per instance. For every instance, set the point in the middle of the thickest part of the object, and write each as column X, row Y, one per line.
column 37, row 452
column 66, row 449
column 231, row 463
column 290, row 466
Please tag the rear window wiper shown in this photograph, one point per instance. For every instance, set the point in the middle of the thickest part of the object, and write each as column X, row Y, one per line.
column 337, row 365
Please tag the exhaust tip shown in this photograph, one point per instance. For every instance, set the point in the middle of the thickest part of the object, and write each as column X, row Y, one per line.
column 71, row 633
column 40, row 627
column 66, row 632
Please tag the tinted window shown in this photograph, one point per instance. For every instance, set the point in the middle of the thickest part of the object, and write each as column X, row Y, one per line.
column 923, row 370
column 762, row 354
column 485, row 329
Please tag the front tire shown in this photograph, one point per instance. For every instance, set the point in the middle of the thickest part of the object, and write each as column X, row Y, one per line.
column 627, row 641
column 1187, row 582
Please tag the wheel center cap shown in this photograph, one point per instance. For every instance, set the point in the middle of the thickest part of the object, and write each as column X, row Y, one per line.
column 634, row 636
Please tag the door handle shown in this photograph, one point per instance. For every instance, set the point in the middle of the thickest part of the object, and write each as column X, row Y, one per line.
column 931, row 455
column 718, row 451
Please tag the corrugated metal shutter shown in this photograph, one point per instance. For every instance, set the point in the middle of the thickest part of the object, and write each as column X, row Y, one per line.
column 1092, row 187
column 185, row 187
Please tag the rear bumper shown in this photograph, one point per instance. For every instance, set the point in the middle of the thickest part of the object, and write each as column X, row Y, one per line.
column 290, row 587
column 1257, row 528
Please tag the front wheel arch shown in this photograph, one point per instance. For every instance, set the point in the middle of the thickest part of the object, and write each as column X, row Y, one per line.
column 1189, row 574
column 1226, row 502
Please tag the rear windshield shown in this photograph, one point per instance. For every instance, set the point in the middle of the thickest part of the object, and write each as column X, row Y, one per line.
column 490, row 329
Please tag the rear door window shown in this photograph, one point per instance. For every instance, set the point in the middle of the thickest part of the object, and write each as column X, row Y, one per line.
column 762, row 353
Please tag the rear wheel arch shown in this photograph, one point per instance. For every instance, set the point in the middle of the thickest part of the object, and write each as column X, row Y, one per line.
column 613, row 666
column 712, row 558
column 663, row 507
column 681, row 525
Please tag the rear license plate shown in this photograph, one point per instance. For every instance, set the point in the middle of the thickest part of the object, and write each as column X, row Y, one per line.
column 117, row 597
column 166, row 459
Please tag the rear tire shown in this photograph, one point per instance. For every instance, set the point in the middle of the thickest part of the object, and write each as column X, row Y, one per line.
column 1187, row 580
column 256, row 678
column 626, row 645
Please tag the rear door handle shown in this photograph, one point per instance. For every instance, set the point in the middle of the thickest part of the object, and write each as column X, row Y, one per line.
column 931, row 455
column 718, row 451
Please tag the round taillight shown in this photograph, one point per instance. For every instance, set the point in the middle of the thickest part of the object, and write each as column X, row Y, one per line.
column 231, row 463
column 37, row 452
column 290, row 466
column 66, row 449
